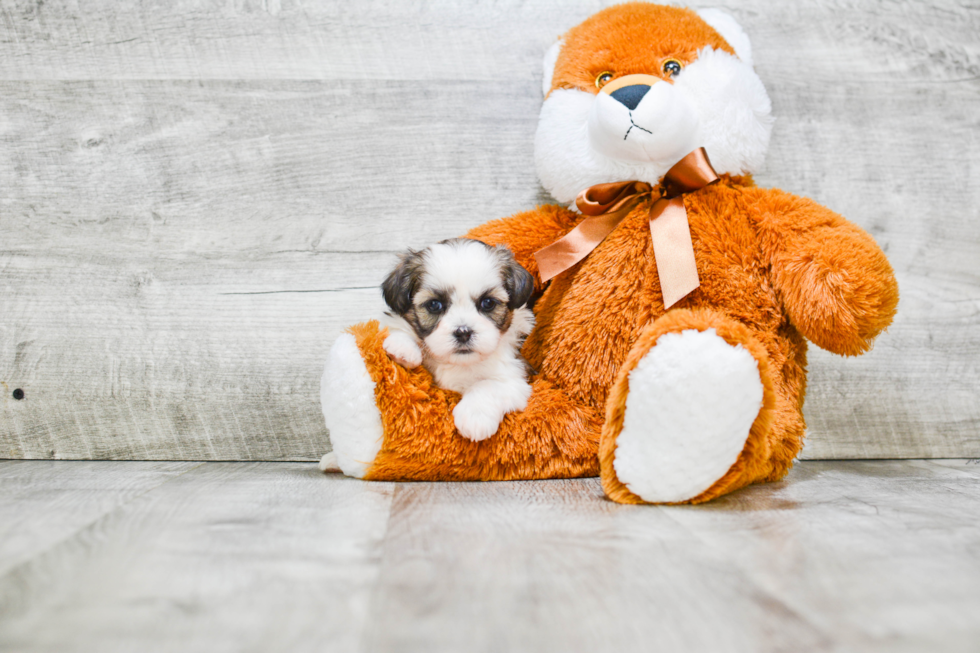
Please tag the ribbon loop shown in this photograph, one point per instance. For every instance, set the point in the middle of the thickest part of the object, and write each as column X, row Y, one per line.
column 609, row 198
column 691, row 173
column 608, row 204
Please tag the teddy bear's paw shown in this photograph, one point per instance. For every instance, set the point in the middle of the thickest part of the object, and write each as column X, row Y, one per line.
column 692, row 400
column 328, row 464
column 476, row 419
column 347, row 400
column 403, row 349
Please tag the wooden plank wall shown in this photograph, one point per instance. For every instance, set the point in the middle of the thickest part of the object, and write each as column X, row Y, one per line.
column 196, row 198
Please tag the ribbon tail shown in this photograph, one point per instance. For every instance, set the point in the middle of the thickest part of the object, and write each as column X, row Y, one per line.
column 558, row 257
column 579, row 242
column 673, row 250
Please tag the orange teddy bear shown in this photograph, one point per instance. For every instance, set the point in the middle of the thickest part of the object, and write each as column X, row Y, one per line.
column 675, row 299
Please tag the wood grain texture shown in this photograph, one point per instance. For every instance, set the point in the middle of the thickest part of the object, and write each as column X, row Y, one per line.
column 842, row 556
column 43, row 503
column 226, row 557
column 158, row 159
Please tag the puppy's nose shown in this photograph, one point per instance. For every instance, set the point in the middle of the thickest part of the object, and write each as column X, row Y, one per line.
column 630, row 95
column 463, row 334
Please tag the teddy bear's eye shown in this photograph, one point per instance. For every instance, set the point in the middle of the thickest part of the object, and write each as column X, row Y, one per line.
column 672, row 67
column 603, row 78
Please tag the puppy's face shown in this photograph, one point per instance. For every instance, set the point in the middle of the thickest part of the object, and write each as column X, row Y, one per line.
column 459, row 296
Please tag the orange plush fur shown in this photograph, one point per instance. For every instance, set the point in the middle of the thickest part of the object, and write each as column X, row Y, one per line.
column 607, row 42
column 774, row 269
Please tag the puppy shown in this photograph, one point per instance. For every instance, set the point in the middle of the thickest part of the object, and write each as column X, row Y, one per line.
column 459, row 308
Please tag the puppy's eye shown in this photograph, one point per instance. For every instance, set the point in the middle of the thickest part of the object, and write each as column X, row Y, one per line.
column 433, row 306
column 603, row 78
column 672, row 67
column 487, row 304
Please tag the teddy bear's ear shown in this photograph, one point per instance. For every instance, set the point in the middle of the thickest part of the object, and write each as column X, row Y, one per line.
column 730, row 30
column 550, row 59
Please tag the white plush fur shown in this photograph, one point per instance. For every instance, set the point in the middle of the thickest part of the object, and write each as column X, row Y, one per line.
column 725, row 24
column 659, row 131
column 717, row 102
column 347, row 400
column 550, row 59
column 692, row 400
column 489, row 374
column 328, row 463
column 733, row 108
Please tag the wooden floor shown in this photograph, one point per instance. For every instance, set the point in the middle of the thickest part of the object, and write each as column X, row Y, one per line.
column 184, row 556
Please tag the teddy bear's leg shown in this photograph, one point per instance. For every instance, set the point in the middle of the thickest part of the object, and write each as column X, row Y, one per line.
column 390, row 423
column 349, row 409
column 689, row 415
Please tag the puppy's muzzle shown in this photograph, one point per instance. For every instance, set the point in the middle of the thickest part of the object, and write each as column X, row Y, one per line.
column 463, row 335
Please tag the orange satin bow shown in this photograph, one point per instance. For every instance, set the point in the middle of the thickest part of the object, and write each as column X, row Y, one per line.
column 608, row 204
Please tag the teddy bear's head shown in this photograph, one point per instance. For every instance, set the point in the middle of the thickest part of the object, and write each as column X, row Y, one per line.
column 636, row 87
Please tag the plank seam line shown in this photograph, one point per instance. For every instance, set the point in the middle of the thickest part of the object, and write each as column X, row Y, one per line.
column 278, row 292
column 377, row 584
column 760, row 590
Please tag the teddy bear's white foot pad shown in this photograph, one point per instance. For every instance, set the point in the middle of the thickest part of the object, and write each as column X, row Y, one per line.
column 349, row 409
column 692, row 400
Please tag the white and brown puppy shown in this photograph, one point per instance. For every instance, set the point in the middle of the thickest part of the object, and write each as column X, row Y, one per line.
column 459, row 308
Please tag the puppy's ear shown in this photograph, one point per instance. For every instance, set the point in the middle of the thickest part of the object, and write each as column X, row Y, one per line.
column 400, row 285
column 518, row 282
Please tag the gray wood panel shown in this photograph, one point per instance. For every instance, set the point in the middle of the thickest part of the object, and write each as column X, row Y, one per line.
column 842, row 556
column 200, row 333
column 43, row 503
column 226, row 557
column 158, row 159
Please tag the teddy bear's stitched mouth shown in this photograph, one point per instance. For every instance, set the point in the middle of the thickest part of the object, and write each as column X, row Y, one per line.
column 632, row 125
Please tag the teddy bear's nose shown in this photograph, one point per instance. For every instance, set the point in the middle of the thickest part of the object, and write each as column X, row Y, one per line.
column 630, row 95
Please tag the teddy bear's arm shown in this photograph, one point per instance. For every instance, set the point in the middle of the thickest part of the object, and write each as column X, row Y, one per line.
column 835, row 282
column 527, row 232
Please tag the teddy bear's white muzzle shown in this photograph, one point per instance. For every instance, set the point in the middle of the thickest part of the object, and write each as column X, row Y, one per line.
column 661, row 128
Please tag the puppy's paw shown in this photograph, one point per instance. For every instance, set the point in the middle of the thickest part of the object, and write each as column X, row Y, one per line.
column 403, row 350
column 475, row 419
